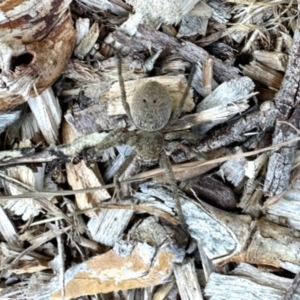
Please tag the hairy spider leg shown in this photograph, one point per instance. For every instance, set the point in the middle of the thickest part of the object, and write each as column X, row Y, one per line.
column 179, row 108
column 118, row 136
column 122, row 86
column 166, row 164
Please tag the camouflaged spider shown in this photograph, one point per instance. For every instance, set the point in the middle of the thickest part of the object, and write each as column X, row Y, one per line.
column 150, row 111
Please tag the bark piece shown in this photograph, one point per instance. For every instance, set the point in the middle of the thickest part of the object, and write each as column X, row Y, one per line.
column 215, row 193
column 281, row 160
column 287, row 103
column 189, row 51
column 33, row 57
column 260, row 121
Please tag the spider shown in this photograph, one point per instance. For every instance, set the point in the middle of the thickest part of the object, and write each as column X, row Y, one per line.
column 150, row 111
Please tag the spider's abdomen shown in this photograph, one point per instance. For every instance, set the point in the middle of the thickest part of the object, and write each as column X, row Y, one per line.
column 151, row 106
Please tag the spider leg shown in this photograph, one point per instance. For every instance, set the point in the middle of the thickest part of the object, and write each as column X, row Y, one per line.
column 122, row 85
column 119, row 136
column 179, row 108
column 128, row 160
column 166, row 164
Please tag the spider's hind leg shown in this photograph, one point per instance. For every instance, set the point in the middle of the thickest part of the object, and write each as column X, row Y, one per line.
column 128, row 160
column 166, row 164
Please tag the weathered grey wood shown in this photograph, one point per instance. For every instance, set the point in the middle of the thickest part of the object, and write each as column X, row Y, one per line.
column 281, row 160
column 288, row 106
column 8, row 118
column 234, row 170
column 8, row 230
column 261, row 120
column 187, row 281
column 107, row 226
column 287, row 208
column 272, row 245
column 247, row 283
column 227, row 93
column 208, row 225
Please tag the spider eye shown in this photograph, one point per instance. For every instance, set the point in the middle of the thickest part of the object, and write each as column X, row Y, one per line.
column 154, row 101
column 144, row 100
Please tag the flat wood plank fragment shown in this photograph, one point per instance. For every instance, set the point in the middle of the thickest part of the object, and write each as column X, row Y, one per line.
column 263, row 74
column 107, row 226
column 247, row 283
column 187, row 281
column 287, row 208
column 176, row 86
column 47, row 112
column 272, row 245
column 208, row 225
column 8, row 230
column 129, row 265
column 273, row 59
column 81, row 176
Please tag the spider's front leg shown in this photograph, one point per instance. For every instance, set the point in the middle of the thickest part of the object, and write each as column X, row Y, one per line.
column 179, row 108
column 116, row 137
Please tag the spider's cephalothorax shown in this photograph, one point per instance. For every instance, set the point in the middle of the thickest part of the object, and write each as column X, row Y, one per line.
column 151, row 106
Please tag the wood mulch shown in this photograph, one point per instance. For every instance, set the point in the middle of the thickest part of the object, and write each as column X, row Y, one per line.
column 64, row 234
